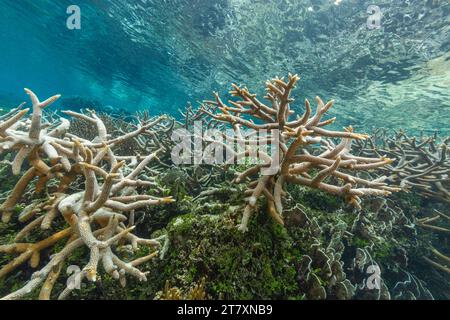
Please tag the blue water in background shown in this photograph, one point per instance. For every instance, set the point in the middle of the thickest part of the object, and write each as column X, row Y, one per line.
column 160, row 54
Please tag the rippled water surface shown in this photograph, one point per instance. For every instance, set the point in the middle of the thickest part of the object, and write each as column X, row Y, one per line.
column 160, row 54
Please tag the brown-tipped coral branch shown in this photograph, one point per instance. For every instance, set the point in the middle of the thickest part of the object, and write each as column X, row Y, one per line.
column 94, row 216
column 296, row 157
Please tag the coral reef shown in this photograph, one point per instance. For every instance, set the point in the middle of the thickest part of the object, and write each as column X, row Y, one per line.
column 319, row 254
column 85, row 188
column 422, row 166
column 411, row 289
column 302, row 150
column 94, row 216
column 321, row 272
column 429, row 224
column 420, row 163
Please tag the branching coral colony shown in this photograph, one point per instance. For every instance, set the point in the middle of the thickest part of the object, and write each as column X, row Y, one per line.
column 421, row 164
column 296, row 159
column 89, row 178
column 95, row 216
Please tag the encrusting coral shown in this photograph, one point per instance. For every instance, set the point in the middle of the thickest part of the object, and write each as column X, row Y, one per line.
column 296, row 157
column 95, row 216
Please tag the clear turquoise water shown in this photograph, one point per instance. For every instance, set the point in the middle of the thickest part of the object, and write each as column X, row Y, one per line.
column 159, row 54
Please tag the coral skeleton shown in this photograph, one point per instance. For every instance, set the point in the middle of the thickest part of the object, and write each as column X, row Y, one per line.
column 304, row 152
column 96, row 215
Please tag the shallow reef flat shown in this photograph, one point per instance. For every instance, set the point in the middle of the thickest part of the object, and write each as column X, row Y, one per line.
column 99, row 206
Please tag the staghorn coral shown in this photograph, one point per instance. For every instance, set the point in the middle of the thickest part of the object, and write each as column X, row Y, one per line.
column 420, row 163
column 308, row 259
column 30, row 139
column 428, row 223
column 156, row 138
column 94, row 217
column 296, row 157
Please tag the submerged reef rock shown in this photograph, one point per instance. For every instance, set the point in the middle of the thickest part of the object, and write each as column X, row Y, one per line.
column 302, row 150
column 89, row 189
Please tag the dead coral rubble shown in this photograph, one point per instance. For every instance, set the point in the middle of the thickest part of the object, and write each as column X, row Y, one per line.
column 297, row 157
column 96, row 216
